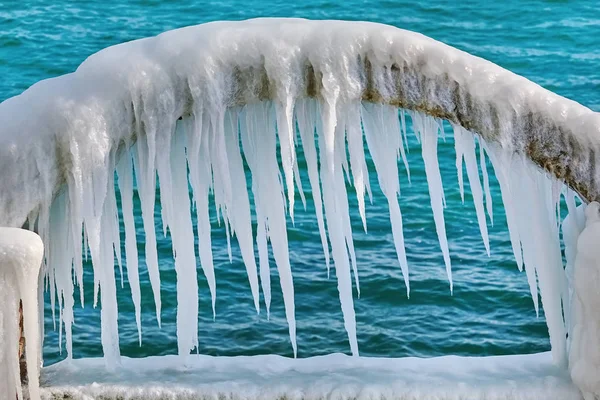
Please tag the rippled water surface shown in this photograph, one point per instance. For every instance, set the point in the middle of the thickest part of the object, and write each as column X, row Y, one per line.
column 554, row 43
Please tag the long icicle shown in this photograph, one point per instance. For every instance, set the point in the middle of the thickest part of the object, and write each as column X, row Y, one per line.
column 306, row 116
column 326, row 134
column 125, row 175
column 466, row 142
column 428, row 128
column 259, row 144
column 240, row 207
column 198, row 156
column 379, row 137
column 146, row 188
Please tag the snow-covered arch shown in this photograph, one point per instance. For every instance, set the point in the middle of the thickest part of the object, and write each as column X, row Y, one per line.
column 253, row 82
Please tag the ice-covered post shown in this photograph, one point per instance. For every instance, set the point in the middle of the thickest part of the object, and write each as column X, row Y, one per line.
column 21, row 255
column 581, row 232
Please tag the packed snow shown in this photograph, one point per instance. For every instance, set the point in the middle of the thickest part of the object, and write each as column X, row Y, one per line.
column 207, row 97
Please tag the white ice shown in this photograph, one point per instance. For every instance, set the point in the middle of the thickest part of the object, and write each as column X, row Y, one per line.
column 584, row 259
column 465, row 146
column 426, row 128
column 383, row 139
column 259, row 145
column 21, row 254
column 124, row 172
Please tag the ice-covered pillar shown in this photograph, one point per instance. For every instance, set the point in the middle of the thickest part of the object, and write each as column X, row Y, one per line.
column 583, row 268
column 21, row 255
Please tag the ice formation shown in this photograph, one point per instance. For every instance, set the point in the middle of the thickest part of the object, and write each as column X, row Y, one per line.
column 583, row 265
column 21, row 255
column 333, row 376
column 207, row 97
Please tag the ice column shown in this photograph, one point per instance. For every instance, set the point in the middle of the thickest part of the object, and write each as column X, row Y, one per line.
column 21, row 254
column 584, row 355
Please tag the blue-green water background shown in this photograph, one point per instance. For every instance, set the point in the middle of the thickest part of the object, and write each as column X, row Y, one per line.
column 554, row 43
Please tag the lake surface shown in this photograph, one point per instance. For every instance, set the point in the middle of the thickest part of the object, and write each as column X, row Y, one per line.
column 553, row 43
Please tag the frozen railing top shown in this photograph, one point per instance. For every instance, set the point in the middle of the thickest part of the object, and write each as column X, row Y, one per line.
column 64, row 129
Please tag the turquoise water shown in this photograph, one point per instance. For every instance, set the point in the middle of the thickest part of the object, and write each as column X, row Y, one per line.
column 554, row 43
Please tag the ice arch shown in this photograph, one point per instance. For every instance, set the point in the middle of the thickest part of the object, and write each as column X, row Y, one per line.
column 242, row 88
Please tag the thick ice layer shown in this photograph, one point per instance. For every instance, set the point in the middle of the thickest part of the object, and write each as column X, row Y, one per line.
column 21, row 254
column 584, row 357
column 334, row 376
column 182, row 102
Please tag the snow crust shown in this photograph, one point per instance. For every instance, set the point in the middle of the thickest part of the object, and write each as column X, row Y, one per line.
column 334, row 376
column 21, row 254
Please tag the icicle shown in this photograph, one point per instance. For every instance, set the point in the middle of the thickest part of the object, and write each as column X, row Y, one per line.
column 501, row 163
column 59, row 255
column 571, row 207
column 146, row 184
column 428, row 129
column 541, row 249
column 460, row 152
column 261, row 230
column 326, row 135
column 401, row 132
column 298, row 180
column 176, row 198
column 557, row 187
column 360, row 174
column 341, row 194
column 285, row 129
column 240, row 208
column 519, row 189
column 380, row 135
column 98, row 231
column 228, row 234
column 125, row 175
column 467, row 146
column 486, row 181
column 404, row 134
column 198, row 155
column 220, row 167
column 571, row 230
column 259, row 145
column 114, row 222
column 306, row 116
column 543, row 245
column 77, row 231
column 263, row 256
column 44, row 232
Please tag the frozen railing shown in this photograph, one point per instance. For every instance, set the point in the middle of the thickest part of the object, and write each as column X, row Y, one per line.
column 186, row 98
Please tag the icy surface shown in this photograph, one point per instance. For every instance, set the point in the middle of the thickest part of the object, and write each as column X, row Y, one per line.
column 21, row 254
column 334, row 376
